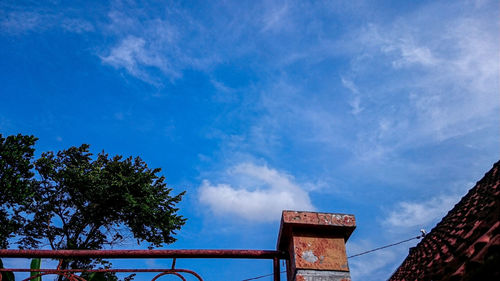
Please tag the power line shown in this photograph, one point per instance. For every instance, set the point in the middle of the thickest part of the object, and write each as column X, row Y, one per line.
column 356, row 255
column 262, row 276
column 386, row 246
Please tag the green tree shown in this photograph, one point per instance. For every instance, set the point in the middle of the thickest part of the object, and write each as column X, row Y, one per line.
column 16, row 178
column 77, row 201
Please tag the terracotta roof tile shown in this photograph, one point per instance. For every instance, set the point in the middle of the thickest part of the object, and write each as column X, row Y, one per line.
column 465, row 245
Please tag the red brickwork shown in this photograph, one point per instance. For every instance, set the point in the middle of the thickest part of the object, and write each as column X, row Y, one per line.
column 315, row 243
column 465, row 245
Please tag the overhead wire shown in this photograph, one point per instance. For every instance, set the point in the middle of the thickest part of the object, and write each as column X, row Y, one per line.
column 262, row 276
column 386, row 246
column 356, row 255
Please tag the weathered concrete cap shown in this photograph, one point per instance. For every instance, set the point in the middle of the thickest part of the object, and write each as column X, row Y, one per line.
column 314, row 224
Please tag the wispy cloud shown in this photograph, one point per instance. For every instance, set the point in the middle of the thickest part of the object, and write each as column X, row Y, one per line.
column 22, row 21
column 157, row 49
column 408, row 80
column 407, row 53
column 133, row 55
column 275, row 18
column 256, row 193
column 355, row 102
column 19, row 22
column 76, row 25
column 436, row 79
column 420, row 214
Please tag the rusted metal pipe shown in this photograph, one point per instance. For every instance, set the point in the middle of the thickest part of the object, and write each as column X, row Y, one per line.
column 276, row 268
column 140, row 270
column 125, row 254
column 69, row 272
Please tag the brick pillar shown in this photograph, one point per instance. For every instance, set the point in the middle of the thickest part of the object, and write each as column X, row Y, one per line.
column 315, row 243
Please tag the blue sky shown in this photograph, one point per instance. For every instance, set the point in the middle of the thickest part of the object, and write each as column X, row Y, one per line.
column 388, row 110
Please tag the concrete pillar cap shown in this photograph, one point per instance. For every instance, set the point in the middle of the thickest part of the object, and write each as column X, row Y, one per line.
column 314, row 224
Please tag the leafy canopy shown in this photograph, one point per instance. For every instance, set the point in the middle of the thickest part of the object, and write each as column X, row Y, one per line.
column 16, row 178
column 78, row 202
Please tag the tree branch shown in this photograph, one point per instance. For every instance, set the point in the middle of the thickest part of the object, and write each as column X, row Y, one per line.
column 94, row 228
column 64, row 226
column 49, row 237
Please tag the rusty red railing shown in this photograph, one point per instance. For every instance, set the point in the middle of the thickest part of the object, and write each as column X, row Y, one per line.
column 136, row 254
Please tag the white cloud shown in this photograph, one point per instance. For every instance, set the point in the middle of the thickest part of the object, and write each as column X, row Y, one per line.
column 409, row 54
column 127, row 53
column 220, row 86
column 440, row 79
column 77, row 25
column 420, row 214
column 157, row 48
column 414, row 82
column 21, row 21
column 349, row 85
column 355, row 102
column 135, row 56
column 275, row 18
column 257, row 193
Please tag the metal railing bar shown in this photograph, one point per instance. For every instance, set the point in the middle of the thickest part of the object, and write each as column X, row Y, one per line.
column 94, row 270
column 116, row 254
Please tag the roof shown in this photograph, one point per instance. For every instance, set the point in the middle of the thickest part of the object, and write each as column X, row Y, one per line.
column 465, row 245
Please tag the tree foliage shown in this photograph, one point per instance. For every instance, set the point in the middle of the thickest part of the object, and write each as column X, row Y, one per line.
column 16, row 178
column 73, row 200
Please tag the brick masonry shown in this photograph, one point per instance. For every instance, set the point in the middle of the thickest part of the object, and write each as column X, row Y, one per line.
column 315, row 243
